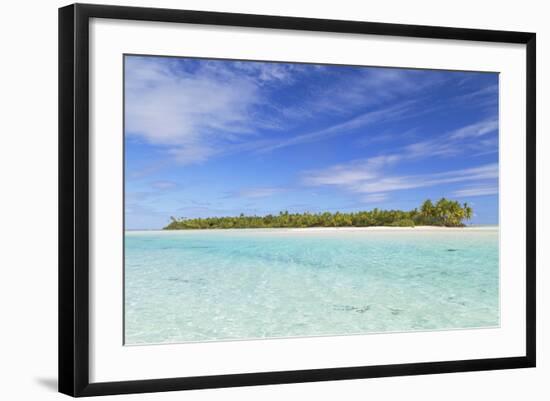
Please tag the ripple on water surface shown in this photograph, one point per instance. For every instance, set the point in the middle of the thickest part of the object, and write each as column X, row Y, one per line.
column 221, row 285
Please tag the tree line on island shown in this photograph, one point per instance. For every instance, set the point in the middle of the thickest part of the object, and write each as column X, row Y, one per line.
column 445, row 213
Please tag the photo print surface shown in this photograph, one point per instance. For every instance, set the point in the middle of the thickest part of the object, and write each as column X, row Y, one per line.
column 275, row 200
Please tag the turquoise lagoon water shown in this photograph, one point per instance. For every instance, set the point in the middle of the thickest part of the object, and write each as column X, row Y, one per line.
column 209, row 285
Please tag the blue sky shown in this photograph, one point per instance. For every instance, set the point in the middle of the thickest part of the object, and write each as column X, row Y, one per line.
column 219, row 138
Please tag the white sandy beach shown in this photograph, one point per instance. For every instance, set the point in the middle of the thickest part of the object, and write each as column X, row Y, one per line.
column 383, row 228
column 327, row 230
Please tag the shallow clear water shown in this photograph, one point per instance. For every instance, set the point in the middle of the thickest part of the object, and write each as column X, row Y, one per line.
column 241, row 284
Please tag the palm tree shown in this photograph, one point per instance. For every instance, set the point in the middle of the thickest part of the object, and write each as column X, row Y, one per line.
column 468, row 211
column 427, row 208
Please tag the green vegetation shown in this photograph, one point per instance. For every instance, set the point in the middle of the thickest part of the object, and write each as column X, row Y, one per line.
column 444, row 212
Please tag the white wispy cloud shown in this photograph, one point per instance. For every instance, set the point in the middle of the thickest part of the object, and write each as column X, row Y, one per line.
column 369, row 177
column 445, row 144
column 394, row 112
column 370, row 87
column 395, row 183
column 482, row 93
column 193, row 152
column 169, row 107
column 218, row 108
column 475, row 130
column 213, row 109
column 476, row 191
column 351, row 173
column 270, row 72
column 190, row 114
column 481, row 99
column 374, row 198
column 388, row 135
column 367, row 88
column 262, row 192
column 164, row 184
column 365, row 175
column 466, row 138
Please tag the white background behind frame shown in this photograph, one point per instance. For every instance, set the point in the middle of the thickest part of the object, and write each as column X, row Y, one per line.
column 110, row 361
column 28, row 161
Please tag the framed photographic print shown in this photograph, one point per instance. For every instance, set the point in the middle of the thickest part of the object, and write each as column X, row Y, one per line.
column 249, row 199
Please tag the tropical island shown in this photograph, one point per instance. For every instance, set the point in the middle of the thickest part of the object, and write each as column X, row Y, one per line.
column 444, row 213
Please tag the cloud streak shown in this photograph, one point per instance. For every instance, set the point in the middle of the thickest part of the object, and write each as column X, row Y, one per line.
column 466, row 138
column 374, row 198
column 185, row 112
column 396, row 183
column 483, row 190
column 349, row 174
column 199, row 109
column 366, row 173
column 369, row 177
column 394, row 112
column 259, row 192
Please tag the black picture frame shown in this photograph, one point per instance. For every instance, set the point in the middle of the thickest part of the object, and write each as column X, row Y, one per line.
column 74, row 198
